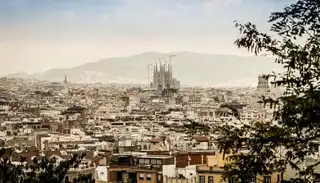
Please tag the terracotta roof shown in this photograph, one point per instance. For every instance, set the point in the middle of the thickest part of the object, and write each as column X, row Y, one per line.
column 183, row 160
column 201, row 138
column 156, row 140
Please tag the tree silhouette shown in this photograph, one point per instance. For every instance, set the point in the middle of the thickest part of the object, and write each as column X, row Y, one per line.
column 40, row 171
column 195, row 128
column 286, row 139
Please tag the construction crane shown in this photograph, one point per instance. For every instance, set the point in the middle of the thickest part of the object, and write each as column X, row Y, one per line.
column 170, row 57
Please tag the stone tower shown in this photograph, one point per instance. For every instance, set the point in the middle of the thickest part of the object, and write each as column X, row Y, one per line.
column 263, row 84
column 65, row 79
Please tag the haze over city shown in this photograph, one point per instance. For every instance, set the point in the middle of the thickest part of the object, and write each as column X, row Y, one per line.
column 159, row 91
column 38, row 35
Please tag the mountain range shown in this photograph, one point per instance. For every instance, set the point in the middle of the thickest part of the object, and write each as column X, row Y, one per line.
column 188, row 67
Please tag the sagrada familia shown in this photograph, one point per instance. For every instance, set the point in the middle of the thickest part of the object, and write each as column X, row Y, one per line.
column 163, row 78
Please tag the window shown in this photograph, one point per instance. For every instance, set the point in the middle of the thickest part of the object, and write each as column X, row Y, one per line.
column 153, row 161
column 202, row 179
column 159, row 162
column 266, row 179
column 210, row 179
column 149, row 177
column 147, row 161
column 141, row 176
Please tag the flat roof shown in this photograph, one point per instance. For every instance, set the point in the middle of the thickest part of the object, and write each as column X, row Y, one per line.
column 155, row 156
column 145, row 156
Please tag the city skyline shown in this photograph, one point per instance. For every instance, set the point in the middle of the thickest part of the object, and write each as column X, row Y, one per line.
column 41, row 35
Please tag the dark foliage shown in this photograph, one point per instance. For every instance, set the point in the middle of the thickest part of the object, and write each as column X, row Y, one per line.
column 195, row 128
column 285, row 141
column 40, row 171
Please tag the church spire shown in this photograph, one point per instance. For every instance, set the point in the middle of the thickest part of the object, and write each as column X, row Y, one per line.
column 65, row 79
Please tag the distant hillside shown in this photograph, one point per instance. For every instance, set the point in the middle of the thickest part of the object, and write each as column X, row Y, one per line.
column 19, row 75
column 190, row 68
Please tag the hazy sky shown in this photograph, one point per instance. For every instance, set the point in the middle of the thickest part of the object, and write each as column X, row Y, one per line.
column 36, row 35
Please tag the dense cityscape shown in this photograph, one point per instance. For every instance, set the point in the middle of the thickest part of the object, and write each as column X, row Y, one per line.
column 91, row 91
column 128, row 133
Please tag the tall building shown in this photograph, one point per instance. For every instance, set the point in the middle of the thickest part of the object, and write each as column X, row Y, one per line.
column 65, row 79
column 263, row 84
column 163, row 78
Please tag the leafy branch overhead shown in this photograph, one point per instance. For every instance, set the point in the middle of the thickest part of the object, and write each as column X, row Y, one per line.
column 287, row 139
column 194, row 128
